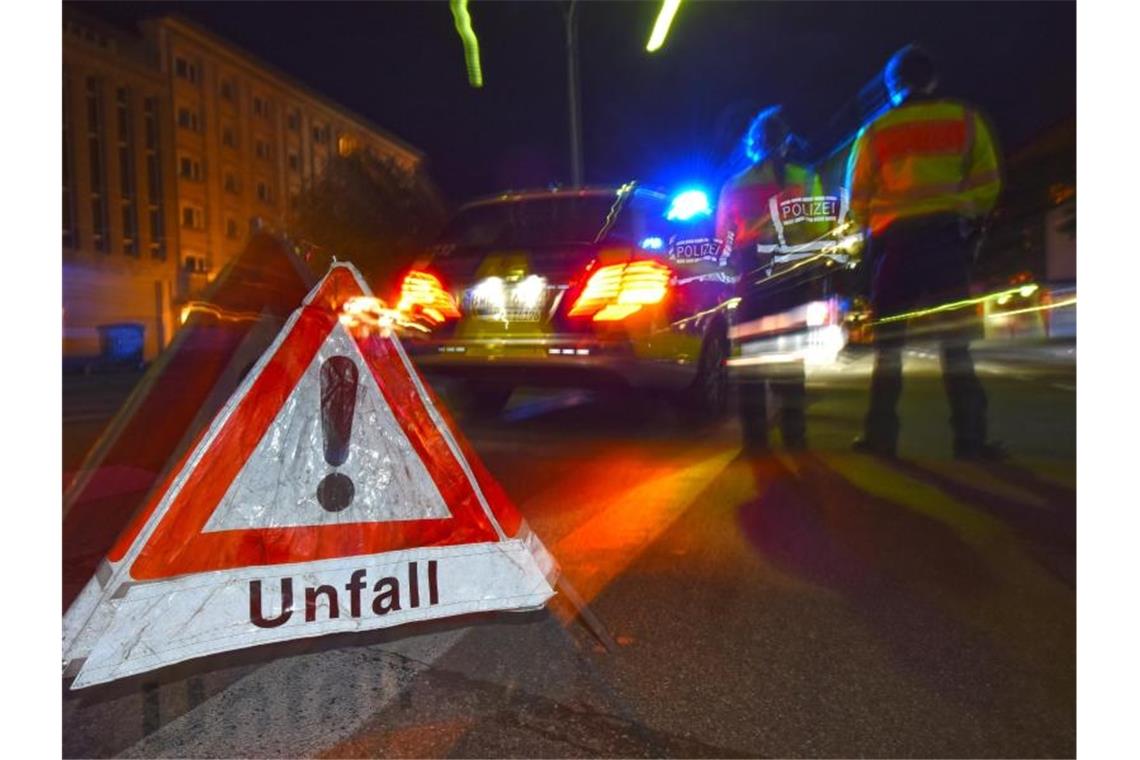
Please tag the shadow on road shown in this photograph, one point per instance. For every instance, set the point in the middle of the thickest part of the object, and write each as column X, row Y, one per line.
column 933, row 591
column 1046, row 515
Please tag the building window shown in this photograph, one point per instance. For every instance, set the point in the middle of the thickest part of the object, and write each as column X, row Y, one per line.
column 261, row 107
column 263, row 193
column 294, row 162
column 193, row 217
column 186, row 69
column 190, row 168
column 188, row 118
column 98, row 166
column 193, row 262
column 346, row 145
column 229, row 136
column 127, row 194
column 231, row 182
column 154, row 180
column 226, row 90
column 294, row 121
column 320, row 135
column 262, row 149
column 231, row 228
column 70, row 231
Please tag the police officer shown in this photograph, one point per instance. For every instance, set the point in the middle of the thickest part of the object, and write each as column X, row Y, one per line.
column 761, row 238
column 922, row 178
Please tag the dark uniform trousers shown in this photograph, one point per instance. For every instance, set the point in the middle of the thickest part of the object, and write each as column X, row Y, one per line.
column 918, row 263
column 784, row 380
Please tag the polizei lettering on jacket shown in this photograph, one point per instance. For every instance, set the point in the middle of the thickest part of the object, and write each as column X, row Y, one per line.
column 817, row 208
column 387, row 595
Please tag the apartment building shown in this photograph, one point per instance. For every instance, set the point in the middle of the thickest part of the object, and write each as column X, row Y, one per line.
column 176, row 144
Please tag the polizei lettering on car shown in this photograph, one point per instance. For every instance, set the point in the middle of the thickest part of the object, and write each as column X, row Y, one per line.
column 388, row 595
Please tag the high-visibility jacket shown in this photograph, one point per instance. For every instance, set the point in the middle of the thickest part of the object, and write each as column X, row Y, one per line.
column 756, row 213
column 924, row 157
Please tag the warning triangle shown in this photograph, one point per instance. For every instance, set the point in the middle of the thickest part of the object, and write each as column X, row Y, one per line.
column 280, row 484
column 329, row 463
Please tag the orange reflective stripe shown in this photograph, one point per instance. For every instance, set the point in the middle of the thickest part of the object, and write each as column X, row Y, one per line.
column 918, row 137
column 978, row 179
column 918, row 192
column 968, row 146
column 922, row 110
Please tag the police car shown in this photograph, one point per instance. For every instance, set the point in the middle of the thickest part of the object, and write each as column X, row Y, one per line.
column 619, row 287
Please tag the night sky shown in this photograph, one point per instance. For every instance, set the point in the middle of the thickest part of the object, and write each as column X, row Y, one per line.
column 665, row 118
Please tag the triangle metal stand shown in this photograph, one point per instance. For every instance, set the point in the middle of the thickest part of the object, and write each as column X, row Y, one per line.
column 591, row 621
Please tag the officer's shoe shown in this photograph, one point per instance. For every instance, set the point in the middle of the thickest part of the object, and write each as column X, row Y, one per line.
column 864, row 445
column 991, row 451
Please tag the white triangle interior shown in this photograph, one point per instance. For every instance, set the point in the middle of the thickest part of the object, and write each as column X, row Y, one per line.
column 277, row 487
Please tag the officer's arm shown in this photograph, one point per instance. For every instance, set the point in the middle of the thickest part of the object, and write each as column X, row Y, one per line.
column 725, row 220
column 860, row 178
column 983, row 180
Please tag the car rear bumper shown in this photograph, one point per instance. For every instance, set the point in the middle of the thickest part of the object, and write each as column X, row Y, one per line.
column 569, row 362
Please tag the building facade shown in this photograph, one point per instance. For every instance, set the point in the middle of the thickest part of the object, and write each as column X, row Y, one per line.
column 175, row 145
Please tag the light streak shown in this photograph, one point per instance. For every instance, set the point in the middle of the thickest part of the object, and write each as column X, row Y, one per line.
column 204, row 307
column 661, row 27
column 955, row 305
column 1030, row 309
column 371, row 313
column 470, row 42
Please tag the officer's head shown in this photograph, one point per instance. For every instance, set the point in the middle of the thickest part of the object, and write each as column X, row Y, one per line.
column 768, row 135
column 910, row 72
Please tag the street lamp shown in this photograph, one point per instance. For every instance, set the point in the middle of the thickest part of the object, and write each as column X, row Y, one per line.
column 661, row 28
column 470, row 42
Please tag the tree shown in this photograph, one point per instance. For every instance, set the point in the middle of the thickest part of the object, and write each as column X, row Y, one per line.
column 369, row 211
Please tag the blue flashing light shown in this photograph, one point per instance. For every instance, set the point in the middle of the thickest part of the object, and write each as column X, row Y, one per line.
column 689, row 204
column 652, row 244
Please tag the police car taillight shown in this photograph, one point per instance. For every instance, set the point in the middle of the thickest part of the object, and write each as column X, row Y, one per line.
column 617, row 291
column 421, row 293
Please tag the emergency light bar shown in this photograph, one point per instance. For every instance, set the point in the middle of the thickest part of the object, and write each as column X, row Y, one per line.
column 689, row 204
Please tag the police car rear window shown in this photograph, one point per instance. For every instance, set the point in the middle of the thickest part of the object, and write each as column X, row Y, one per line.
column 541, row 221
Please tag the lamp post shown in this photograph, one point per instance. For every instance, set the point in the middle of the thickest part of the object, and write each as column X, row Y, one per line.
column 573, row 84
column 573, row 93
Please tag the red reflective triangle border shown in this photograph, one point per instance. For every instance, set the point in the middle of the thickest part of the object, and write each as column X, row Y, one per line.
column 178, row 545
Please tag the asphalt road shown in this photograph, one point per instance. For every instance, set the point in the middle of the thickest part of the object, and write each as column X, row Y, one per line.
column 820, row 604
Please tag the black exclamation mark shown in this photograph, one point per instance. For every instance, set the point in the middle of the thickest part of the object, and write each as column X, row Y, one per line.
column 338, row 401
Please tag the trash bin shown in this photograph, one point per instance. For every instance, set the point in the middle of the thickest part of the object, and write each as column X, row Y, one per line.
column 121, row 344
